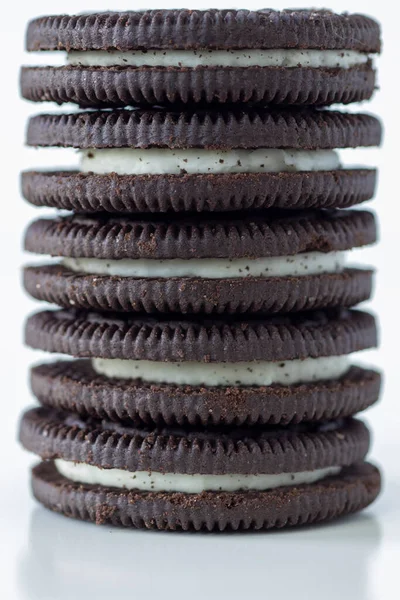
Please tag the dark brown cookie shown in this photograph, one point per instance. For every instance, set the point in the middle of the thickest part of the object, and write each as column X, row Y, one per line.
column 190, row 295
column 202, row 31
column 304, row 129
column 270, row 234
column 75, row 386
column 265, row 450
column 352, row 490
column 195, row 29
column 89, row 192
column 299, row 335
column 105, row 87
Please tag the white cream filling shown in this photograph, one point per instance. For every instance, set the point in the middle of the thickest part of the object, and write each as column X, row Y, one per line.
column 255, row 373
column 157, row 161
column 343, row 59
column 189, row 484
column 307, row 263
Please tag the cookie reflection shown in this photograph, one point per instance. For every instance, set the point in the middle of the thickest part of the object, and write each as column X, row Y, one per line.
column 67, row 559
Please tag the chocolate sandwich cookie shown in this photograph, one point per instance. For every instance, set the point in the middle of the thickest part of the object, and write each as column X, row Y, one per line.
column 157, row 160
column 273, row 262
column 214, row 56
column 205, row 371
column 186, row 479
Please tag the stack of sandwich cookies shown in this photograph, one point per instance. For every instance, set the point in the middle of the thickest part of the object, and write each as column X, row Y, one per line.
column 205, row 289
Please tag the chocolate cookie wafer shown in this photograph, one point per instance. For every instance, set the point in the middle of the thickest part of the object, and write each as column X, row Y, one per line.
column 195, row 479
column 205, row 371
column 157, row 161
column 272, row 262
column 216, row 56
column 77, row 386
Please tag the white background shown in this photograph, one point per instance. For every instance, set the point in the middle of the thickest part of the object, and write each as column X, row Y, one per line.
column 45, row 556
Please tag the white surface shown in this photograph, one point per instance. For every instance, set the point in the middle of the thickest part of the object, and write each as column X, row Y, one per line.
column 152, row 161
column 47, row 557
column 226, row 58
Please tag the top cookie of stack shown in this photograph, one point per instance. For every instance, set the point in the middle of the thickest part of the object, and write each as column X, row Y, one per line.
column 303, row 57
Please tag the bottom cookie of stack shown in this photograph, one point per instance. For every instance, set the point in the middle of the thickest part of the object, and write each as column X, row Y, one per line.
column 177, row 479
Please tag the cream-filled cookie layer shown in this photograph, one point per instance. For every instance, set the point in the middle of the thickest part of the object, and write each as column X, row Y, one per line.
column 255, row 373
column 342, row 59
column 307, row 263
column 189, row 484
column 158, row 161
